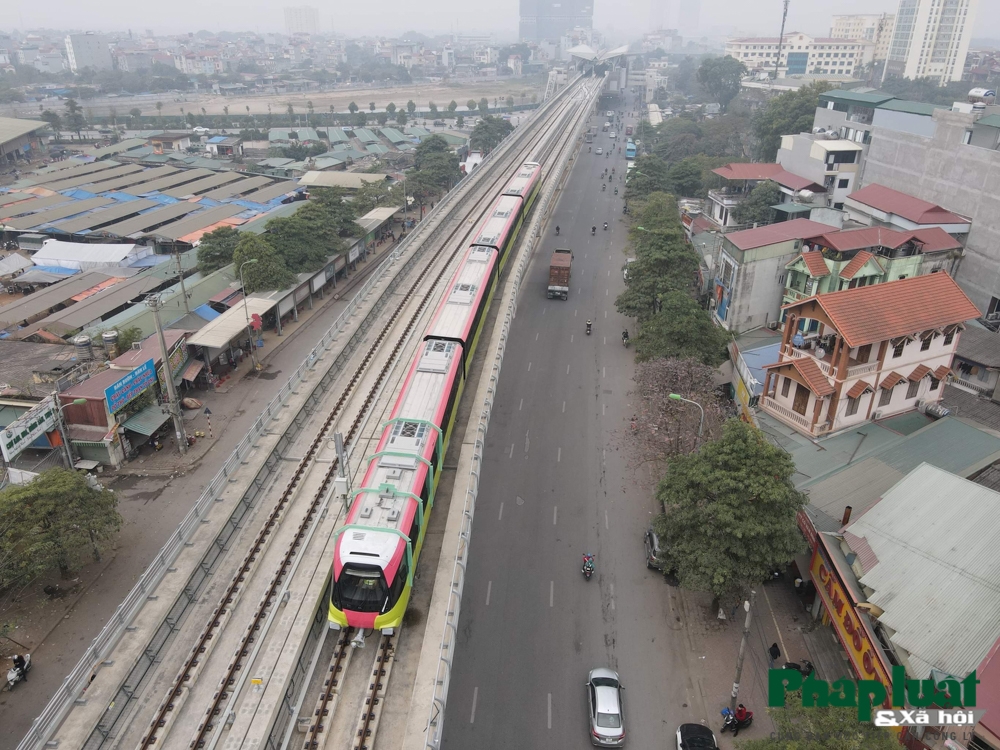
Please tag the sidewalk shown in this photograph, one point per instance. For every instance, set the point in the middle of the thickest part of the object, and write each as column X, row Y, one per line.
column 780, row 616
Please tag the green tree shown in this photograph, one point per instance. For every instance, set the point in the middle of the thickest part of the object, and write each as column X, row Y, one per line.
column 401, row 117
column 371, row 106
column 57, row 521
column 460, row 121
column 352, row 108
column 692, row 177
column 756, row 207
column 391, row 109
column 382, row 118
column 338, row 212
column 290, row 111
column 360, row 120
column 471, row 104
column 75, row 120
column 54, row 121
column 374, row 194
column 820, row 728
column 452, row 106
column 269, row 272
column 128, row 336
column 306, row 239
column 484, row 106
column 411, row 107
column 216, row 249
column 192, row 120
column 680, row 328
column 721, row 77
column 731, row 511
column 788, row 113
column 650, row 175
column 159, row 113
column 510, row 103
column 488, row 133
column 135, row 113
column 434, row 144
column 432, row 108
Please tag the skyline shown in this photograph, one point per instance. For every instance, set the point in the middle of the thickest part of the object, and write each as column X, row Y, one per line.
column 623, row 19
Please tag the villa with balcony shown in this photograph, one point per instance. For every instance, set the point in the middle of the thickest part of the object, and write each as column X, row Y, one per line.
column 876, row 351
column 740, row 180
column 850, row 258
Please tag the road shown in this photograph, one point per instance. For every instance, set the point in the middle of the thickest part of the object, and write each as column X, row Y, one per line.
column 556, row 484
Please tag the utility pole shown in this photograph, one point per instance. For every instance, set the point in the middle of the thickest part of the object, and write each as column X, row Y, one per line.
column 180, row 274
column 154, row 303
column 781, row 39
column 748, row 606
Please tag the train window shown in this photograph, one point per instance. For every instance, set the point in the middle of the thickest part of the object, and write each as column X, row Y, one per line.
column 360, row 588
column 414, row 532
column 398, row 583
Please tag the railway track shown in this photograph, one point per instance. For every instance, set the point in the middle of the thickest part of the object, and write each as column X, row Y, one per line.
column 168, row 710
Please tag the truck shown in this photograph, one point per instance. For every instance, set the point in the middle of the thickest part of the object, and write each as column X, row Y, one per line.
column 628, row 130
column 559, row 272
column 589, row 135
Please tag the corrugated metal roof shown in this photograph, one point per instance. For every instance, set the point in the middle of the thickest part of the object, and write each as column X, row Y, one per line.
column 269, row 192
column 184, row 176
column 937, row 580
column 147, row 421
column 236, row 188
column 177, row 229
column 203, row 185
column 909, row 207
column 135, row 178
column 991, row 121
column 853, row 97
column 58, row 212
column 11, row 128
column 45, row 177
column 914, row 108
column 258, row 223
column 105, row 216
column 150, row 219
column 783, row 231
column 15, row 209
column 94, row 178
column 218, row 333
column 979, row 345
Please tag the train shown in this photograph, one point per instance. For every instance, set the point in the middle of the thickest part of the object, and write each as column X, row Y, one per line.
column 377, row 549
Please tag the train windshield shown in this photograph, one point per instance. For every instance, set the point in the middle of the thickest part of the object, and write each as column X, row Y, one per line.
column 361, row 588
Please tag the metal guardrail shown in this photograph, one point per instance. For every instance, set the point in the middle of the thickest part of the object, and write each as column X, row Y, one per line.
column 51, row 717
column 435, row 724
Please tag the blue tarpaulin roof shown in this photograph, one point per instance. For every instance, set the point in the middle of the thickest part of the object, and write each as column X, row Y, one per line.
column 205, row 311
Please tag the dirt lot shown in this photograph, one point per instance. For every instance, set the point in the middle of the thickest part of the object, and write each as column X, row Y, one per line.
column 440, row 93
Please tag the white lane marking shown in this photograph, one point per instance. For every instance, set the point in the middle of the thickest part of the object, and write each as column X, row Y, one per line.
column 604, row 409
column 575, row 312
column 552, row 593
column 550, row 710
column 521, row 405
column 555, row 514
column 489, row 589
column 564, row 407
column 609, row 274
column 609, row 257
column 612, row 597
column 544, row 310
column 607, row 292
column 536, row 337
column 500, row 518
column 527, row 441
column 567, row 369
column 571, row 338
column 475, row 697
column 605, row 314
column 605, row 340
column 558, row 455
column 529, row 367
column 606, row 520
column 511, row 450
column 604, row 372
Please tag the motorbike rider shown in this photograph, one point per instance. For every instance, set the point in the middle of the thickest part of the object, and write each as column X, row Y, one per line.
column 588, row 562
column 557, row 230
column 589, row 324
column 741, row 713
column 625, row 336
column 593, row 230
column 616, row 191
column 605, row 225
column 21, row 666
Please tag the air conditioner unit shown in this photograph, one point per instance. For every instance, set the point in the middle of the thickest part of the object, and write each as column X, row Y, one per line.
column 772, row 326
column 922, row 405
column 878, row 414
column 136, row 345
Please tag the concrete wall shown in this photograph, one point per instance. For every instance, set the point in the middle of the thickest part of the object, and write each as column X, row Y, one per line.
column 985, row 137
column 961, row 178
column 904, row 122
column 757, row 290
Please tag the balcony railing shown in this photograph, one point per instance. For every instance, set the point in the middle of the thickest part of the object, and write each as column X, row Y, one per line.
column 977, row 386
column 791, row 418
column 860, row 370
column 801, row 354
column 795, row 295
column 726, row 198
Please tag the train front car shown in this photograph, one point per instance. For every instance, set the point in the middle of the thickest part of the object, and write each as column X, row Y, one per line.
column 377, row 550
column 525, row 184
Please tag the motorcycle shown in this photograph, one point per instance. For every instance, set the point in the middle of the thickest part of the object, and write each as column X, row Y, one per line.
column 605, row 226
column 557, row 231
column 604, row 188
column 588, row 566
column 588, row 327
column 593, row 231
column 806, row 668
column 616, row 191
column 625, row 339
column 731, row 724
column 14, row 675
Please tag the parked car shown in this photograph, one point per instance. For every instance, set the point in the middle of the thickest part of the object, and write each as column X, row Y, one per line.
column 628, row 261
column 695, row 737
column 654, row 549
column 606, row 709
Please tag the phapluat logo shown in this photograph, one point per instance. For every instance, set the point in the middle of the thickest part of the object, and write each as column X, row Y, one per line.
column 909, row 704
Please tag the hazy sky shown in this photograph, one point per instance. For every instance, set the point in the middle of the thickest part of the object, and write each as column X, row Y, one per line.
column 619, row 18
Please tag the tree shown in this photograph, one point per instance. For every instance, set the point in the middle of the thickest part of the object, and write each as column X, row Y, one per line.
column 721, row 78
column 411, row 107
column 649, row 176
column 306, row 239
column 55, row 522
column 434, row 144
column 391, row 109
column 192, row 120
column 382, row 118
column 54, row 121
column 401, row 117
column 471, row 104
column 360, row 120
column 460, row 121
column 269, row 272
column 488, row 133
column 756, row 207
column 159, row 113
column 680, row 328
column 127, row 336
column 432, row 107
column 786, row 114
column 731, row 511
column 135, row 113
column 484, row 106
column 339, row 213
column 373, row 194
column 510, row 103
column 820, row 728
column 75, row 120
column 371, row 106
column 352, row 108
column 216, row 249
column 452, row 106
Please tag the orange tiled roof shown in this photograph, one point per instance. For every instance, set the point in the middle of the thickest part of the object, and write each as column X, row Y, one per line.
column 891, row 379
column 858, row 388
column 815, row 263
column 869, row 314
column 857, row 263
column 942, row 372
column 919, row 373
column 816, row 381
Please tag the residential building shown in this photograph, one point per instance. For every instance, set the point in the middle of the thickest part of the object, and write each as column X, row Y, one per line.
column 802, row 54
column 976, row 366
column 19, row 139
column 220, row 145
column 851, row 258
column 88, row 50
column 447, row 57
column 49, row 62
column 132, row 61
column 170, row 142
column 741, row 179
column 669, row 40
column 877, row 205
column 515, row 64
column 485, row 56
column 827, row 160
column 931, row 39
column 207, row 63
column 875, row 28
column 750, row 272
column 301, row 19
column 868, row 341
column 541, row 19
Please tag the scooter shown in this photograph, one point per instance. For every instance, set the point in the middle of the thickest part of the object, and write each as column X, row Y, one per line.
column 806, row 668
column 15, row 676
column 731, row 724
column 604, row 188
column 588, row 566
column 625, row 340
column 557, row 231
column 605, row 226
column 588, row 327
column 593, row 231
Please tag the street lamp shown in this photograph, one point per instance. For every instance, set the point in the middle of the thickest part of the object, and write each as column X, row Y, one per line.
column 246, row 311
column 701, row 425
column 62, row 425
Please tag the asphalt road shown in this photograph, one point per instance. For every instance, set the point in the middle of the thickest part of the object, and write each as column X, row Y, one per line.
column 555, row 485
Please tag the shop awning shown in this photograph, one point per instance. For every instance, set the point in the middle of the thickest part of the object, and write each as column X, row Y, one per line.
column 218, row 333
column 147, row 421
column 192, row 370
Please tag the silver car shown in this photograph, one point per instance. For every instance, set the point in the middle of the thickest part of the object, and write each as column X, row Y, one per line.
column 604, row 703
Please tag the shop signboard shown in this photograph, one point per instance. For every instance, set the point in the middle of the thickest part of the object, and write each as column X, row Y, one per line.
column 24, row 430
column 119, row 393
column 353, row 255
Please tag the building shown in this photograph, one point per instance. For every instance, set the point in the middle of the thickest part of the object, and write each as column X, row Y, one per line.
column 515, row 64
column 750, row 271
column 88, row 50
column 850, row 258
column 976, row 366
column 845, row 370
column 802, row 54
column 301, row 19
column 224, row 146
column 827, row 160
column 741, row 179
column 541, row 19
column 877, row 205
column 930, row 39
column 19, row 139
column 170, row 142
column 876, row 28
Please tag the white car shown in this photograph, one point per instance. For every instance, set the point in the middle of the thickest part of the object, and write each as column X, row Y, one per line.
column 612, row 135
column 599, row 151
column 200, row 129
